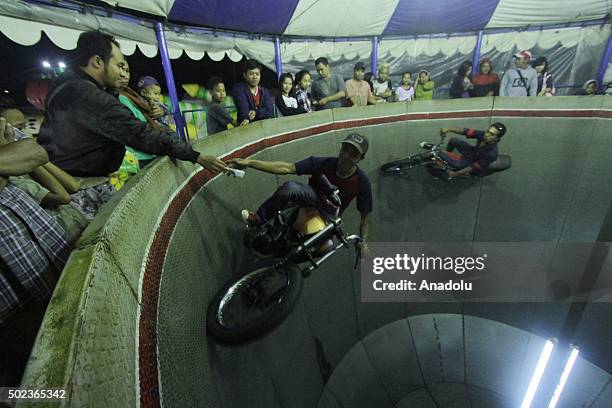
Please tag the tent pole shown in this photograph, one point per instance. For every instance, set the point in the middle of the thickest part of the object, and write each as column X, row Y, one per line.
column 604, row 63
column 278, row 58
column 163, row 51
column 375, row 55
column 476, row 54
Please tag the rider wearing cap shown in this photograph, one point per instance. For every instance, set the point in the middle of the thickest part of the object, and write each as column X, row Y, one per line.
column 471, row 158
column 341, row 171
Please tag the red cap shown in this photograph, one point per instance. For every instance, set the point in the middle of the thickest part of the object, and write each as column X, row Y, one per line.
column 523, row 54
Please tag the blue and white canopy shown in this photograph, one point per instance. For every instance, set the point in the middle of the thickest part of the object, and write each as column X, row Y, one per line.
column 351, row 18
column 412, row 34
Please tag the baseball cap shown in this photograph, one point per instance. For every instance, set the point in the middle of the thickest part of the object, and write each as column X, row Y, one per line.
column 358, row 141
column 523, row 54
column 359, row 66
column 146, row 81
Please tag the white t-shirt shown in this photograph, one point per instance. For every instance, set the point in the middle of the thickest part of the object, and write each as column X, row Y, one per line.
column 290, row 102
column 404, row 94
column 379, row 87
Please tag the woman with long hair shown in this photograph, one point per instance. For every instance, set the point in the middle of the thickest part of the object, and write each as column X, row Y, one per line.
column 285, row 103
column 462, row 84
column 300, row 90
column 546, row 86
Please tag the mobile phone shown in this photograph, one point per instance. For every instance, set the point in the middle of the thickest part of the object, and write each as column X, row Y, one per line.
column 18, row 134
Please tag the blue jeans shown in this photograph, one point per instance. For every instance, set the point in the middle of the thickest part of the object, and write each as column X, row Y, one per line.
column 290, row 193
column 462, row 147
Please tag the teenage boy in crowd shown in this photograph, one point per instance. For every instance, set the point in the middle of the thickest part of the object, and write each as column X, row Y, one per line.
column 217, row 118
column 253, row 102
column 383, row 89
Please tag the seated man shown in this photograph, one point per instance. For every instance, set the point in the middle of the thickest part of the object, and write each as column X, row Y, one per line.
column 472, row 158
column 33, row 250
column 50, row 187
column 15, row 117
column 86, row 128
column 33, row 246
column 342, row 172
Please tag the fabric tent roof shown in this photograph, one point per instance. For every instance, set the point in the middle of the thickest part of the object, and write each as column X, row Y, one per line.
column 353, row 18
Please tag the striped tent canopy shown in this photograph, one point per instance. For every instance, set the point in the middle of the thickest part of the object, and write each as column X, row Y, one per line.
column 353, row 18
column 412, row 34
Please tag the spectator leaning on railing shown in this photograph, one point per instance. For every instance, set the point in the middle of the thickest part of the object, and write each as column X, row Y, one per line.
column 86, row 128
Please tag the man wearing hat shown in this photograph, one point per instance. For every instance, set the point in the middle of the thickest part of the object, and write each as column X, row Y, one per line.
column 358, row 91
column 341, row 171
column 522, row 80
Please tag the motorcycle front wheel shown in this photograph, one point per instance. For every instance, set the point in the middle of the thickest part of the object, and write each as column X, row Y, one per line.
column 249, row 307
column 397, row 166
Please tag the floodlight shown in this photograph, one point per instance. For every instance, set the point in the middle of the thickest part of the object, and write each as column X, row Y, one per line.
column 569, row 364
column 537, row 374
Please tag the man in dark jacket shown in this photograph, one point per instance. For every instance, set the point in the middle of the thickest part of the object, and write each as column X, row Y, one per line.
column 253, row 102
column 86, row 128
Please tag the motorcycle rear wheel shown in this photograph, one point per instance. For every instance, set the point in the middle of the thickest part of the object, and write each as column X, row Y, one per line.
column 251, row 306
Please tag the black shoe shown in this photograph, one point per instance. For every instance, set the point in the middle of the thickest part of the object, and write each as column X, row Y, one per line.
column 440, row 174
column 425, row 145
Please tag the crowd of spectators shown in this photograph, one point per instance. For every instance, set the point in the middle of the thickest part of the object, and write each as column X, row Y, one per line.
column 98, row 131
column 325, row 90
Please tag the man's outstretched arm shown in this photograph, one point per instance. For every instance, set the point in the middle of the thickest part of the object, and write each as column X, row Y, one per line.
column 276, row 167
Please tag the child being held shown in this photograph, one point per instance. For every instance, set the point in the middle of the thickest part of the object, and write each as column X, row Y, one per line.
column 149, row 89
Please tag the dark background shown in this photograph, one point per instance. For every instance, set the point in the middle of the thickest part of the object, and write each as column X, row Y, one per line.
column 21, row 64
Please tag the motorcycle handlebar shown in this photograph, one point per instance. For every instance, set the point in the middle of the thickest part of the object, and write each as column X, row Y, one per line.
column 329, row 190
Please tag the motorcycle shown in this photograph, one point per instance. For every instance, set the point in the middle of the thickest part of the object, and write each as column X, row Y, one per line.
column 434, row 162
column 250, row 306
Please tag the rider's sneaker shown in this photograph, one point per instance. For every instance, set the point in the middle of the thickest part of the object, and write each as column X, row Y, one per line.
column 425, row 145
column 250, row 218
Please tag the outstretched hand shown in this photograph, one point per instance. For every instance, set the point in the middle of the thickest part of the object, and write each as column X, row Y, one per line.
column 211, row 163
column 238, row 163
